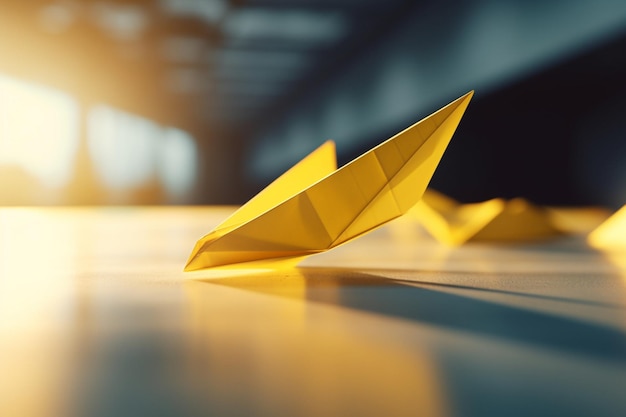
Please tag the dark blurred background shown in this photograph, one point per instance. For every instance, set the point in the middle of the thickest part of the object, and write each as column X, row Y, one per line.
column 206, row 101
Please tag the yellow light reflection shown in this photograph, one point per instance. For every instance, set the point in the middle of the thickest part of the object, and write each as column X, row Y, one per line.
column 39, row 131
column 298, row 357
column 34, row 298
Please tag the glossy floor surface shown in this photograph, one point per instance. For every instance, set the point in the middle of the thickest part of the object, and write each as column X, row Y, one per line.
column 98, row 319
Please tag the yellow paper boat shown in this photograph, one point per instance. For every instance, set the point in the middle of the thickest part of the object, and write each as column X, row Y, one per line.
column 611, row 234
column 314, row 207
column 577, row 220
column 501, row 220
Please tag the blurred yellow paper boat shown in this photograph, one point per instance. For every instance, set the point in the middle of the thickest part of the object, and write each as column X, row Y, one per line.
column 315, row 207
column 577, row 220
column 501, row 220
column 611, row 234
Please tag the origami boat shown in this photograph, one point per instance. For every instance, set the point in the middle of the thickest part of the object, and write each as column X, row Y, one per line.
column 495, row 220
column 315, row 207
column 611, row 234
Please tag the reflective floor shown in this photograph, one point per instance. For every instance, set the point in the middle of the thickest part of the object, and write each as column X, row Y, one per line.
column 98, row 319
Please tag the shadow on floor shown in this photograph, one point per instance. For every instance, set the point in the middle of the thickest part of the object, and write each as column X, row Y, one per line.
column 373, row 292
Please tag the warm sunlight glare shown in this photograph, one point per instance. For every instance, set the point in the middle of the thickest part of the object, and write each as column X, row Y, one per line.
column 39, row 131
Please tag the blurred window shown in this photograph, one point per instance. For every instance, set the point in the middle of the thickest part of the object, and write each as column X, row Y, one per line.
column 122, row 147
column 129, row 151
column 39, row 131
column 178, row 164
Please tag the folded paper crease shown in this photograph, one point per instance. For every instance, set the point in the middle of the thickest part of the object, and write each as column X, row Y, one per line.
column 314, row 206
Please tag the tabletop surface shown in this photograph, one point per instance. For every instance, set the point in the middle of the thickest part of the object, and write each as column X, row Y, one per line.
column 97, row 318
